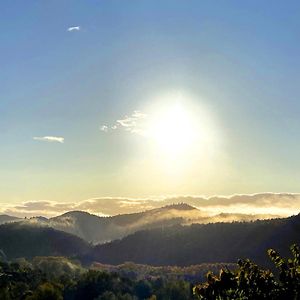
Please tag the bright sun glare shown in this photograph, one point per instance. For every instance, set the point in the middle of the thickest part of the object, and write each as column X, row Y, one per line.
column 178, row 127
column 173, row 129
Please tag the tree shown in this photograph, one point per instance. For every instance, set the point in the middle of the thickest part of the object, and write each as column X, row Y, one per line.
column 251, row 282
column 46, row 291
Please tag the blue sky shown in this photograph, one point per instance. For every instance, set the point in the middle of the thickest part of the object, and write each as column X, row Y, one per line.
column 238, row 59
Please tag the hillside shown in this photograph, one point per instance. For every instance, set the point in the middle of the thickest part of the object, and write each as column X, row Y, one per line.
column 196, row 244
column 17, row 240
column 164, row 245
column 7, row 219
column 97, row 230
column 102, row 229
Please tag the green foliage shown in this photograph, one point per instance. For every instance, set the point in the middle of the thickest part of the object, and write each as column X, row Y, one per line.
column 192, row 274
column 47, row 291
column 36, row 280
column 57, row 278
column 251, row 282
column 175, row 290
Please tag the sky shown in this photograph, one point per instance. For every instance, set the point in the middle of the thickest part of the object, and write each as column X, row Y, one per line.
column 136, row 98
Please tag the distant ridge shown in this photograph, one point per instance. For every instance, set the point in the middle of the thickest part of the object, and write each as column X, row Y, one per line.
column 283, row 204
column 6, row 219
column 97, row 229
column 179, row 206
column 102, row 229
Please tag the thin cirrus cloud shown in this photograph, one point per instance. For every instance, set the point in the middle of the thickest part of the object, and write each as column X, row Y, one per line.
column 73, row 28
column 132, row 123
column 50, row 139
column 104, row 128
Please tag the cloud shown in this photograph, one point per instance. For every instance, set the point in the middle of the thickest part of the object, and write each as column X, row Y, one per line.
column 74, row 28
column 104, row 128
column 282, row 204
column 127, row 122
column 138, row 115
column 56, row 139
column 132, row 123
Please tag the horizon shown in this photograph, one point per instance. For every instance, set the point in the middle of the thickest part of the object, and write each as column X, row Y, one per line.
column 268, row 203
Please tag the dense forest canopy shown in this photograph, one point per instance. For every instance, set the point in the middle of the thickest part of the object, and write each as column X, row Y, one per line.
column 53, row 278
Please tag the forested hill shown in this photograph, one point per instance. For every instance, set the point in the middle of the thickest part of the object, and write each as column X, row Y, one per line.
column 6, row 219
column 168, row 245
column 187, row 245
column 17, row 240
column 99, row 230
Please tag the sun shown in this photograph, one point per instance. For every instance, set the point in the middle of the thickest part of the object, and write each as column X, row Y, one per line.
column 173, row 129
column 177, row 142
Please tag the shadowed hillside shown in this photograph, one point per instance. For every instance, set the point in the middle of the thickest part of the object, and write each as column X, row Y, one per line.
column 164, row 245
column 195, row 244
column 17, row 240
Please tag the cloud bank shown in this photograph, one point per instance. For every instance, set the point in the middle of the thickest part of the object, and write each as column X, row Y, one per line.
column 57, row 139
column 282, row 204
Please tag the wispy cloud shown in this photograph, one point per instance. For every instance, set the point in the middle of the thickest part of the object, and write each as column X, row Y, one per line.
column 55, row 139
column 132, row 123
column 73, row 28
column 104, row 128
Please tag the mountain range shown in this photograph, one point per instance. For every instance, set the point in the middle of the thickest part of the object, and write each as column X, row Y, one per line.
column 98, row 230
column 165, row 236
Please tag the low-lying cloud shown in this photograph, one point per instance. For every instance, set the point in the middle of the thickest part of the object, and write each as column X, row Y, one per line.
column 282, row 204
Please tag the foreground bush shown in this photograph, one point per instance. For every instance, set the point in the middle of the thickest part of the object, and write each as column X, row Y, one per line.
column 251, row 282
